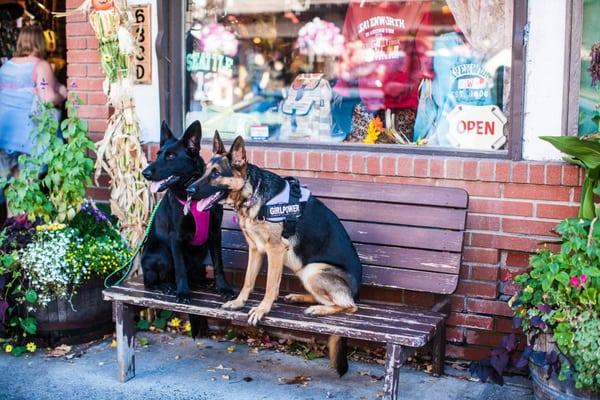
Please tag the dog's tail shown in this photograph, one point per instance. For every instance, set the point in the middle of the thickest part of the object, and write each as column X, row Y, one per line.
column 338, row 353
column 198, row 325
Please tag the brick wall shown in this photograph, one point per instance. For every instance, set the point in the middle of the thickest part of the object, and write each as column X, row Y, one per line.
column 513, row 205
column 85, row 77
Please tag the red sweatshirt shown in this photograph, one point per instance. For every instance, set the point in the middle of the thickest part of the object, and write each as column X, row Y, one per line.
column 388, row 46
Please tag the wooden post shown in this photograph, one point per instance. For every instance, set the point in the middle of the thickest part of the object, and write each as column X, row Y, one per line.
column 438, row 350
column 394, row 358
column 125, row 321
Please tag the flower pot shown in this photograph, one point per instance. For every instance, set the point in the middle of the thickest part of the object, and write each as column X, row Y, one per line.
column 552, row 388
column 88, row 319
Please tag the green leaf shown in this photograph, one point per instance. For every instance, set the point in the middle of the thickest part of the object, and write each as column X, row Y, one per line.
column 160, row 323
column 166, row 314
column 563, row 278
column 586, row 151
column 143, row 325
column 31, row 296
column 29, row 325
column 18, row 351
column 143, row 341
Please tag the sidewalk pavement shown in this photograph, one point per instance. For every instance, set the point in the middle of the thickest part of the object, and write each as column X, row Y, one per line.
column 175, row 367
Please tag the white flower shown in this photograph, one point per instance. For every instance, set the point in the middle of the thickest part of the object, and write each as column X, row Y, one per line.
column 126, row 42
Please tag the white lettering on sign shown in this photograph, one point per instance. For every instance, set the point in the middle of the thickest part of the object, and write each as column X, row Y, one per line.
column 284, row 209
column 477, row 127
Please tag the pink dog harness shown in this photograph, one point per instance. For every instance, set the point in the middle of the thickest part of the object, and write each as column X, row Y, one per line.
column 202, row 222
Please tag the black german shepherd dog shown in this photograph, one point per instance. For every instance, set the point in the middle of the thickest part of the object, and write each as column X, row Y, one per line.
column 319, row 250
column 168, row 260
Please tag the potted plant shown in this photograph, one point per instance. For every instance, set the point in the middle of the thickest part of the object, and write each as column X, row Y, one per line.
column 558, row 309
column 56, row 250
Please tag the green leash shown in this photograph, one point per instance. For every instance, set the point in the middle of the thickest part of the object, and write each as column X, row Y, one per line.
column 127, row 266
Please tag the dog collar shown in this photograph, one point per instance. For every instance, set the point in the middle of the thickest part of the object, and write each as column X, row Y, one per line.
column 253, row 199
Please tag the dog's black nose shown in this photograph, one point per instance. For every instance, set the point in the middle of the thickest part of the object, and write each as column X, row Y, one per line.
column 191, row 189
column 147, row 173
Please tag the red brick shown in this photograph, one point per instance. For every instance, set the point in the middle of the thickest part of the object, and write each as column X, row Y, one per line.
column 457, row 303
column 92, row 43
column 272, row 158
column 502, row 171
column 464, row 272
column 79, row 29
column 536, row 192
column 358, row 164
column 405, row 166
column 421, row 166
column 88, row 111
column 508, row 274
column 505, row 325
column 570, row 175
column 96, row 98
column 486, row 170
column 484, row 273
column 300, row 160
column 505, row 242
column 455, row 335
column 97, row 125
column 420, row 299
column 478, row 289
column 76, row 43
column 314, row 161
column 454, row 168
column 95, row 70
column 102, row 194
column 483, row 338
column 479, row 189
column 388, row 165
column 76, row 17
column 483, row 222
column 509, row 288
column 470, row 321
column 553, row 172
column 527, row 226
column 86, row 84
column 86, row 56
column 286, row 160
column 374, row 165
column 343, row 162
column 73, row 4
column 259, row 157
column 515, row 259
column 470, row 170
column 489, row 307
column 328, row 161
column 470, row 353
column 556, row 211
column 436, row 168
column 520, row 172
column 504, row 207
column 537, row 173
column 481, row 255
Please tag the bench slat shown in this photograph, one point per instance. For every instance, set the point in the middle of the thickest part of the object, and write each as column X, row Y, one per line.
column 386, row 256
column 388, row 192
column 398, row 278
column 406, row 332
column 367, row 310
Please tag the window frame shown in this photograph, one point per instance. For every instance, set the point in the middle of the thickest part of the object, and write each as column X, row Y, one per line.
column 169, row 51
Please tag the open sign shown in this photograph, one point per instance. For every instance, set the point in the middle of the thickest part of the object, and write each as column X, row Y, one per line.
column 477, row 127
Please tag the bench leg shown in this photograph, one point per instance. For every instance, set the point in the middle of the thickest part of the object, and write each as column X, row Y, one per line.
column 394, row 358
column 125, row 321
column 199, row 326
column 438, row 351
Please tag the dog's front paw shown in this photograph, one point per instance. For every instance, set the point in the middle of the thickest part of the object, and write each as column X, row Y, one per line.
column 167, row 288
column 257, row 313
column 183, row 298
column 234, row 305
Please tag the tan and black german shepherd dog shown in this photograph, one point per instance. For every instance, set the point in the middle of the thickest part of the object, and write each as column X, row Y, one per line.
column 319, row 251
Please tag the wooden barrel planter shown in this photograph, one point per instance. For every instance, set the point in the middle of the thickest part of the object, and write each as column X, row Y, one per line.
column 552, row 388
column 88, row 319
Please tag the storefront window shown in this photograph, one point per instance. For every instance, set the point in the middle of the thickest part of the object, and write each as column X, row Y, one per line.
column 410, row 72
column 589, row 95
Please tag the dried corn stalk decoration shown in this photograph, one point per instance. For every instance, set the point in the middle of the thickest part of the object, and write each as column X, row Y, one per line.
column 120, row 153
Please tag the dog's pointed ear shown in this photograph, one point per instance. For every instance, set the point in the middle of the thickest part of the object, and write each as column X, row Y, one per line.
column 237, row 153
column 192, row 137
column 165, row 132
column 218, row 146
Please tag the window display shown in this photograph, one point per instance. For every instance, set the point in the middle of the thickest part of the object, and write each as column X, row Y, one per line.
column 401, row 72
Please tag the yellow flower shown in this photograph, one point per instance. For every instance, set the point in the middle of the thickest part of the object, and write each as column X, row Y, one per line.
column 30, row 347
column 373, row 131
column 187, row 326
column 174, row 322
column 8, row 348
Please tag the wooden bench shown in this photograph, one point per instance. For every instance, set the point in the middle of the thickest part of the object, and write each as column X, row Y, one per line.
column 408, row 237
